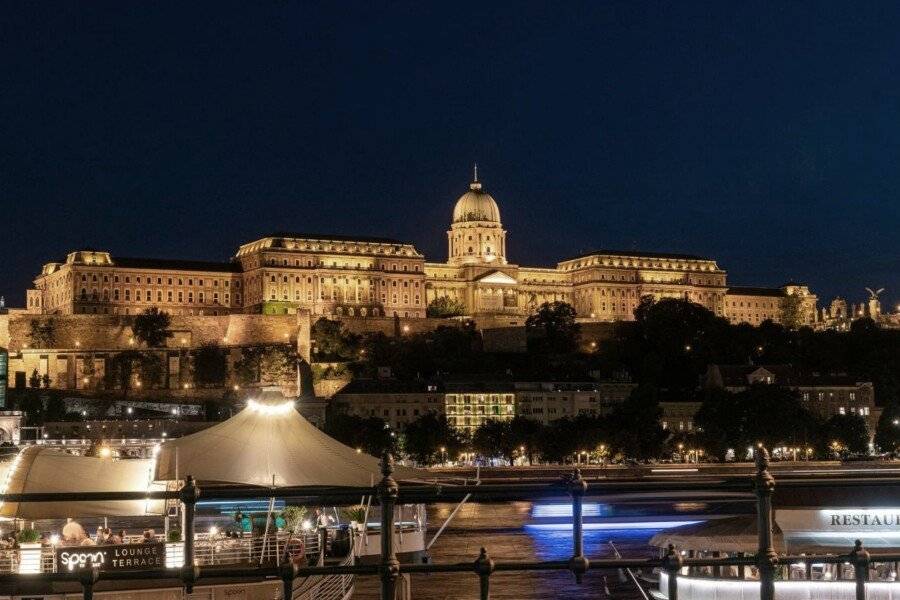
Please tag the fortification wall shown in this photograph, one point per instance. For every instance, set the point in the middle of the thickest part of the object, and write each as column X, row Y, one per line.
column 385, row 325
column 114, row 331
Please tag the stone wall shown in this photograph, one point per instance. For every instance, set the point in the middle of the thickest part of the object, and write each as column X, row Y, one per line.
column 385, row 325
column 109, row 332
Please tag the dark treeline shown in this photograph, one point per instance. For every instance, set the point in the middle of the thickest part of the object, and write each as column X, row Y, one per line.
column 666, row 350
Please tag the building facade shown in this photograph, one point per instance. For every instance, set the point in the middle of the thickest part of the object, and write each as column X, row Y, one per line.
column 754, row 305
column 356, row 276
column 469, row 404
column 823, row 394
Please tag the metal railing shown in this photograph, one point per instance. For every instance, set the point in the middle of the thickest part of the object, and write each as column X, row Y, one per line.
column 390, row 570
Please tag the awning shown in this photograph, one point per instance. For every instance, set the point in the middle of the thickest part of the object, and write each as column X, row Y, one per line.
column 39, row 470
column 269, row 443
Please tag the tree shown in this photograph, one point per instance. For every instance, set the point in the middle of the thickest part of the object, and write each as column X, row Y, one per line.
column 45, row 380
column 444, row 307
column 278, row 365
column 887, row 434
column 369, row 434
column 210, row 365
column 425, row 436
column 526, row 435
column 553, row 329
column 42, row 333
column 132, row 366
column 274, row 365
column 494, row 438
column 792, row 311
column 564, row 438
column 766, row 414
column 635, row 428
column 846, row 433
column 720, row 421
column 34, row 381
column 151, row 327
column 332, row 342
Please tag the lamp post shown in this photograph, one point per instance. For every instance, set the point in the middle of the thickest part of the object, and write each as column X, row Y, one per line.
column 443, row 455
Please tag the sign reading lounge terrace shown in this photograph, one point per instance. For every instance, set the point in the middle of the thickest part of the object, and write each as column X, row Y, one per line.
column 881, row 520
column 126, row 557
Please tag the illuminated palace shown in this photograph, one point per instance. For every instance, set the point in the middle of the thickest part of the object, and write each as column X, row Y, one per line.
column 356, row 276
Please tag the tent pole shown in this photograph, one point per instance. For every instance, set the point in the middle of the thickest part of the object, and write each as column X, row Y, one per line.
column 265, row 541
column 366, row 521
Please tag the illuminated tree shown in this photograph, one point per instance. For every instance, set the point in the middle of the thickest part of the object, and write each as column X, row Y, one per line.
column 792, row 311
column 42, row 334
column 444, row 307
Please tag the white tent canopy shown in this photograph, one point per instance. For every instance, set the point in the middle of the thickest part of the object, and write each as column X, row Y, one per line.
column 268, row 443
column 42, row 470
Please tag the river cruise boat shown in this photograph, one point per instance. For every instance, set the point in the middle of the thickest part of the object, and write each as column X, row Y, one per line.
column 796, row 532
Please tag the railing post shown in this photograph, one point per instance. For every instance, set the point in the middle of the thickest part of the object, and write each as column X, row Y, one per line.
column 484, row 566
column 322, row 533
column 860, row 559
column 87, row 578
column 672, row 564
column 577, row 487
column 190, row 493
column 766, row 559
column 288, row 574
column 387, row 495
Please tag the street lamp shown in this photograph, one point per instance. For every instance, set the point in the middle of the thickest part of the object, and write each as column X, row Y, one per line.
column 443, row 455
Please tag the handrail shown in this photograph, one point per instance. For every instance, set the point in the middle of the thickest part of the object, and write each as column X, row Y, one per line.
column 389, row 493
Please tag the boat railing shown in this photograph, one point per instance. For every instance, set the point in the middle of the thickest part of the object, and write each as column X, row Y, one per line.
column 388, row 494
column 209, row 550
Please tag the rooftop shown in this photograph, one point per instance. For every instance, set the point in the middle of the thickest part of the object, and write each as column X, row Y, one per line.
column 176, row 265
column 335, row 237
column 755, row 291
column 638, row 254
column 787, row 375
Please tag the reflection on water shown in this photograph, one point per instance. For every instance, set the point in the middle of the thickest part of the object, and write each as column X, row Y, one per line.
column 501, row 528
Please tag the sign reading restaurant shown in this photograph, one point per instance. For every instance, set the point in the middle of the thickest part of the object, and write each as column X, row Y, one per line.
column 126, row 557
column 841, row 521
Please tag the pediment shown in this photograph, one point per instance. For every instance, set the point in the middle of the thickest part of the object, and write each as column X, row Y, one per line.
column 496, row 277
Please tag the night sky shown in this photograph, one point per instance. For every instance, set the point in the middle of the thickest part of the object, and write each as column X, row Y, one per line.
column 766, row 136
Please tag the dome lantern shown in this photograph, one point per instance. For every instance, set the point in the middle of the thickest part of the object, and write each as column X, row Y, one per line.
column 476, row 234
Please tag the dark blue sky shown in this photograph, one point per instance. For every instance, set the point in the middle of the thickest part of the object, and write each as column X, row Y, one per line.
column 766, row 136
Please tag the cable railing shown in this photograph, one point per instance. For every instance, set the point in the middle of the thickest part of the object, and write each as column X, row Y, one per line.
column 675, row 570
column 319, row 588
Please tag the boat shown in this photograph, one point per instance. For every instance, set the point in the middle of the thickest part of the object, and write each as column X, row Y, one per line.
column 828, row 532
column 268, row 445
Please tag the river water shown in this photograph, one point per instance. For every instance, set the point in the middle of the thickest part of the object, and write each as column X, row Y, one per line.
column 507, row 532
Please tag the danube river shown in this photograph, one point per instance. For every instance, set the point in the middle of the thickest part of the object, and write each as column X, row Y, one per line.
column 507, row 531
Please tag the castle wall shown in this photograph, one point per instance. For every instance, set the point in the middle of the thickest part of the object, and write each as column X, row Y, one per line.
column 386, row 325
column 111, row 332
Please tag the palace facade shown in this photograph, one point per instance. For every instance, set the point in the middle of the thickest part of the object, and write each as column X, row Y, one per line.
column 356, row 276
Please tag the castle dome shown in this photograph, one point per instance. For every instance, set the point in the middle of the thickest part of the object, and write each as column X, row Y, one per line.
column 476, row 205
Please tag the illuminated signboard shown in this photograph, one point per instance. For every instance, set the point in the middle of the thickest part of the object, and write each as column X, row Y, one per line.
column 884, row 521
column 126, row 557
